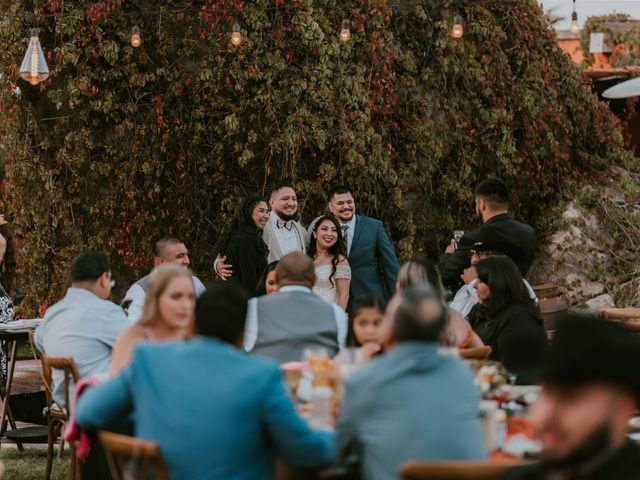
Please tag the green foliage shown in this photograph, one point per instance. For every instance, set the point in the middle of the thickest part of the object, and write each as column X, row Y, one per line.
column 627, row 41
column 123, row 144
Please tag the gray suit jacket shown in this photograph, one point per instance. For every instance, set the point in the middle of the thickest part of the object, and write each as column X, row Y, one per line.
column 269, row 237
column 410, row 404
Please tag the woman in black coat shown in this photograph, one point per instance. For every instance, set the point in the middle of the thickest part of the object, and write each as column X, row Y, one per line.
column 506, row 319
column 243, row 247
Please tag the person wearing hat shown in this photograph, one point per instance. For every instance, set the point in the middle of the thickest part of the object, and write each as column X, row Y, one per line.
column 466, row 298
column 590, row 390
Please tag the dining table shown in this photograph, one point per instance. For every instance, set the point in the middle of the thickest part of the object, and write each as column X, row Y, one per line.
column 13, row 333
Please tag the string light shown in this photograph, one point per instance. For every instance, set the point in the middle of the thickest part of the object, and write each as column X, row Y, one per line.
column 457, row 31
column 135, row 37
column 575, row 27
column 236, row 35
column 34, row 67
column 345, row 31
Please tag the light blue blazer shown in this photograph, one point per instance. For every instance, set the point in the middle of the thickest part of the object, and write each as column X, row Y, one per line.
column 216, row 412
column 410, row 404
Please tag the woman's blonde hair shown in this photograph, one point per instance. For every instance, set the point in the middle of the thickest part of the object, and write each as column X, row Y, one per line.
column 160, row 279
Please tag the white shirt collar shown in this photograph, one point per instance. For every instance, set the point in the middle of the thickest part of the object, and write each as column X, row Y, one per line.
column 294, row 288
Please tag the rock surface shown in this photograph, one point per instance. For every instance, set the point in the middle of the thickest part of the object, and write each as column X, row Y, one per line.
column 595, row 252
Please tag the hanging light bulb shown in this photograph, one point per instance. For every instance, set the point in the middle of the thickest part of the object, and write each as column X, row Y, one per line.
column 34, row 67
column 135, row 37
column 575, row 28
column 457, row 31
column 236, row 35
column 345, row 31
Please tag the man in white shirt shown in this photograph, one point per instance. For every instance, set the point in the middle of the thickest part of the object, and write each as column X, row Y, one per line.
column 282, row 234
column 281, row 325
column 83, row 325
column 166, row 250
column 467, row 297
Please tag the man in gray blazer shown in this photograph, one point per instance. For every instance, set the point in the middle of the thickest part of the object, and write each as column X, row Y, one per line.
column 411, row 403
column 372, row 258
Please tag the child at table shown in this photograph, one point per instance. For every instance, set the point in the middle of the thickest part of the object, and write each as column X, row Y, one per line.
column 366, row 327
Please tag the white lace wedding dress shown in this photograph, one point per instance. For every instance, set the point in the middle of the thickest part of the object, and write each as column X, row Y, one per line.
column 323, row 287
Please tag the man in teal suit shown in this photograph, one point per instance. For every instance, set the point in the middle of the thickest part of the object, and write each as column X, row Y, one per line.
column 372, row 258
column 216, row 412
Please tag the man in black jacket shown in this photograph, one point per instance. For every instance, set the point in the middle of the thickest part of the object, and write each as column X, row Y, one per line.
column 492, row 206
column 590, row 389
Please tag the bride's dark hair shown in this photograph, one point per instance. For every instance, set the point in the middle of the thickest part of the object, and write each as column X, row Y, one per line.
column 336, row 250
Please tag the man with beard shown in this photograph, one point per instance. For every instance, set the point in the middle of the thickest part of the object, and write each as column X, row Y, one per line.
column 282, row 234
column 372, row 258
column 498, row 226
column 590, row 390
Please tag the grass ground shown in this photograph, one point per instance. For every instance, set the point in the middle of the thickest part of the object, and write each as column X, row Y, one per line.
column 31, row 464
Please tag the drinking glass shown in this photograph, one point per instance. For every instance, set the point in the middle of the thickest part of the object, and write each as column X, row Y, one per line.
column 457, row 235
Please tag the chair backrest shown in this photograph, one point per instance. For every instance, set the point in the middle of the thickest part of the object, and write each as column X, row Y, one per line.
column 454, row 470
column 626, row 317
column 70, row 372
column 478, row 353
column 620, row 313
column 126, row 453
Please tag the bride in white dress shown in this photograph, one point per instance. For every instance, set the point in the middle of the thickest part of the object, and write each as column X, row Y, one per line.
column 333, row 274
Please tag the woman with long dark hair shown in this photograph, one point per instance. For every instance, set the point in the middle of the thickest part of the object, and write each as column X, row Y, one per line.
column 506, row 318
column 243, row 247
column 333, row 273
column 457, row 331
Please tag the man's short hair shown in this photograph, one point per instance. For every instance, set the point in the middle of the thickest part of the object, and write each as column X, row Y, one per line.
column 337, row 190
column 88, row 267
column 279, row 186
column 221, row 312
column 420, row 316
column 295, row 268
column 494, row 192
column 163, row 242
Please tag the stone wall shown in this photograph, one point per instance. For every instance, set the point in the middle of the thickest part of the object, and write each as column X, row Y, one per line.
column 594, row 253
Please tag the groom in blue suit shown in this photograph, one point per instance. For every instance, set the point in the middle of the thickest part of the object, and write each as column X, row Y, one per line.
column 215, row 412
column 373, row 261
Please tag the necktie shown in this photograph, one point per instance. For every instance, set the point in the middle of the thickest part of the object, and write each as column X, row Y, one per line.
column 345, row 237
column 287, row 225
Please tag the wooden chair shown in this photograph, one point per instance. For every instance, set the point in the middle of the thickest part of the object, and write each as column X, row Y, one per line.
column 627, row 317
column 620, row 313
column 57, row 415
column 454, row 470
column 478, row 353
column 125, row 454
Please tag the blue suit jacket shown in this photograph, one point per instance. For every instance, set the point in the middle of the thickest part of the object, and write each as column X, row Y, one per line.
column 410, row 404
column 374, row 266
column 216, row 412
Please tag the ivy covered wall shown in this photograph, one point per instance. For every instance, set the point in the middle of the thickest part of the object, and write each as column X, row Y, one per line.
column 122, row 144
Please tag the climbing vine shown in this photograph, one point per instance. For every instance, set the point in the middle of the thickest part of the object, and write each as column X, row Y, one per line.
column 122, row 144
